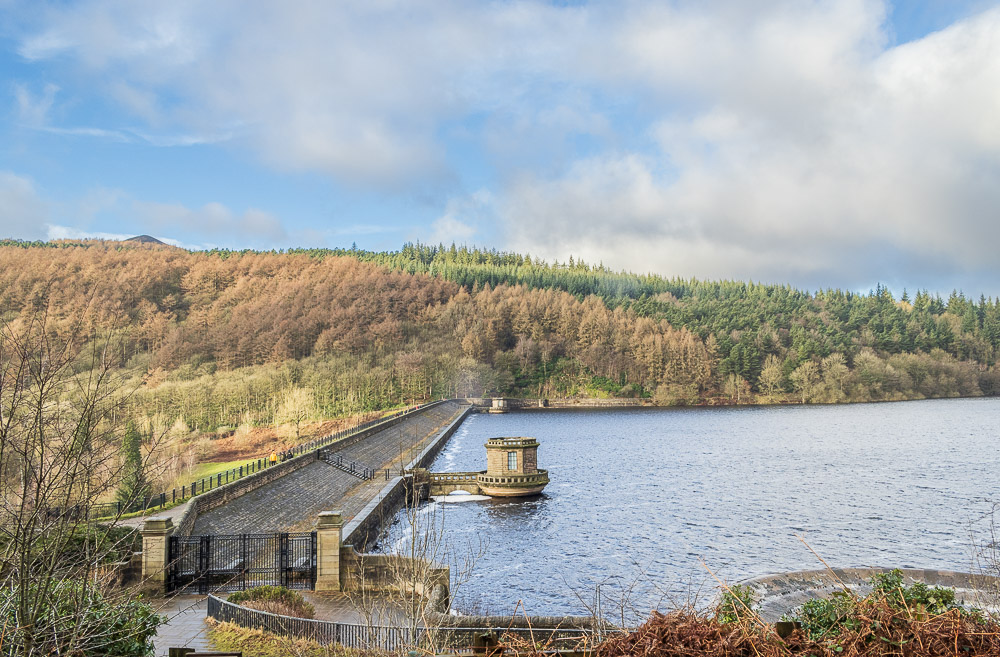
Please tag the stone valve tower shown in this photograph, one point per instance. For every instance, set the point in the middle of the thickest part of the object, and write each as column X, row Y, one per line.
column 512, row 468
column 511, row 471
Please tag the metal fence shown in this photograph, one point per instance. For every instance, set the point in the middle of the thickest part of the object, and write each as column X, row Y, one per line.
column 359, row 470
column 241, row 561
column 377, row 637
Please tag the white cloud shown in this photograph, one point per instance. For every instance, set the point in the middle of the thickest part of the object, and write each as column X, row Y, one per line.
column 33, row 109
column 23, row 214
column 211, row 223
column 26, row 214
column 465, row 217
column 777, row 139
column 358, row 90
column 856, row 166
column 56, row 232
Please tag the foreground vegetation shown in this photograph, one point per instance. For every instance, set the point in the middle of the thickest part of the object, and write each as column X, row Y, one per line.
column 893, row 620
column 232, row 638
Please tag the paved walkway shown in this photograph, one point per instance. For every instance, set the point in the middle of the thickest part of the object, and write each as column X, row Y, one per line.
column 185, row 626
column 355, row 608
column 292, row 502
column 174, row 513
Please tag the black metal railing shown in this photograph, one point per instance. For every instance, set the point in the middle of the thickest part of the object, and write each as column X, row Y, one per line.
column 240, row 561
column 372, row 637
column 359, row 470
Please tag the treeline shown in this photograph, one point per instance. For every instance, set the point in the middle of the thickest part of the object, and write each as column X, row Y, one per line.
column 818, row 324
column 227, row 338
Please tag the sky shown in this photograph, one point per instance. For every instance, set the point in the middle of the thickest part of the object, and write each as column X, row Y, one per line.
column 820, row 143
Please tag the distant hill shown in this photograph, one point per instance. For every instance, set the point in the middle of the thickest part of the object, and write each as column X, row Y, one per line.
column 145, row 239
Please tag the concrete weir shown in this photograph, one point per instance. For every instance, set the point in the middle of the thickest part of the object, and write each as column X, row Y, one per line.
column 782, row 593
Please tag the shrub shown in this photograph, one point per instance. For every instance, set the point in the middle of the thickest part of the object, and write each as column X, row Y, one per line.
column 827, row 618
column 275, row 600
column 737, row 603
column 78, row 619
column 885, row 633
column 933, row 600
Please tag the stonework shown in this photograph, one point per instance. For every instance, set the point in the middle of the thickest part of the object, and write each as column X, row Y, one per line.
column 511, row 471
column 155, row 551
column 498, row 459
column 328, row 534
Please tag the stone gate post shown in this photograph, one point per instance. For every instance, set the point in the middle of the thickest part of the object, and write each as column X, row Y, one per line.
column 328, row 529
column 155, row 552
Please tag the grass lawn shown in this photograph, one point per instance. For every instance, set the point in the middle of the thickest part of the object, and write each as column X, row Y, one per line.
column 210, row 468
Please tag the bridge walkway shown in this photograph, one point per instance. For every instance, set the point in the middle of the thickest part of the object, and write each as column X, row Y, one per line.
column 293, row 502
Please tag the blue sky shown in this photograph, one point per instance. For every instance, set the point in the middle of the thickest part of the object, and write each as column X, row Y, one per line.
column 819, row 143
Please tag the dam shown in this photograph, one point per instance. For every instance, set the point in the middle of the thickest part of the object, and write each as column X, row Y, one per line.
column 269, row 527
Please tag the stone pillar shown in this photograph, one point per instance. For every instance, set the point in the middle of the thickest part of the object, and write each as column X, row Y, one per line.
column 155, row 552
column 328, row 538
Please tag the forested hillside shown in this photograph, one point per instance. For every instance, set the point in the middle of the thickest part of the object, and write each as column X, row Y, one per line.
column 224, row 338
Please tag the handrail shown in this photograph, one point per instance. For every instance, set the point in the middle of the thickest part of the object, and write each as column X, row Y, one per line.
column 454, row 476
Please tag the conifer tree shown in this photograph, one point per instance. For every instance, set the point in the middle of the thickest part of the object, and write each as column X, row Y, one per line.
column 134, row 487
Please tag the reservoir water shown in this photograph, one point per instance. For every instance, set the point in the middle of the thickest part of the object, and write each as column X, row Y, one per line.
column 644, row 502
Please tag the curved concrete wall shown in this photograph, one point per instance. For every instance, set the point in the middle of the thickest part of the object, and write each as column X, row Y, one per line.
column 783, row 592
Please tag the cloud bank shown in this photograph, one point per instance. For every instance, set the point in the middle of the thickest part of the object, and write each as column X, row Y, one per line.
column 778, row 140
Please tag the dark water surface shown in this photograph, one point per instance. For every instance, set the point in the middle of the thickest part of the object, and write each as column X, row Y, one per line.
column 647, row 495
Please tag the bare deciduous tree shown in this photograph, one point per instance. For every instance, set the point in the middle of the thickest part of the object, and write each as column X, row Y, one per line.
column 61, row 406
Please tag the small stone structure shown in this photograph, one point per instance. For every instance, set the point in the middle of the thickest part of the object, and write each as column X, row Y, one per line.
column 512, row 468
column 511, row 471
column 155, row 551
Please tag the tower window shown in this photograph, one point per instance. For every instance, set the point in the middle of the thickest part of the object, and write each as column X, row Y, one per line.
column 512, row 460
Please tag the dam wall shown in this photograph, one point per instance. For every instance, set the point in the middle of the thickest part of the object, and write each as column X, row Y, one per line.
column 367, row 525
column 218, row 497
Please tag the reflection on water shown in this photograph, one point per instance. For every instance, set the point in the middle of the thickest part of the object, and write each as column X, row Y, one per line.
column 646, row 500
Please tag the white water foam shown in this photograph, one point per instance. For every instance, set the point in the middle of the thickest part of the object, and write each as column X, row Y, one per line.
column 453, row 449
column 459, row 496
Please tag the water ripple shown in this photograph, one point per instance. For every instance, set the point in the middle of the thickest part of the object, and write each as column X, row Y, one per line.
column 639, row 498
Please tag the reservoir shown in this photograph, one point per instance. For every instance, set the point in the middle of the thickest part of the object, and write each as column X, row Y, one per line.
column 643, row 503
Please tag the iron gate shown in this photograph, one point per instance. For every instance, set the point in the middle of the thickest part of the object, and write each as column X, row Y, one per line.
column 240, row 561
